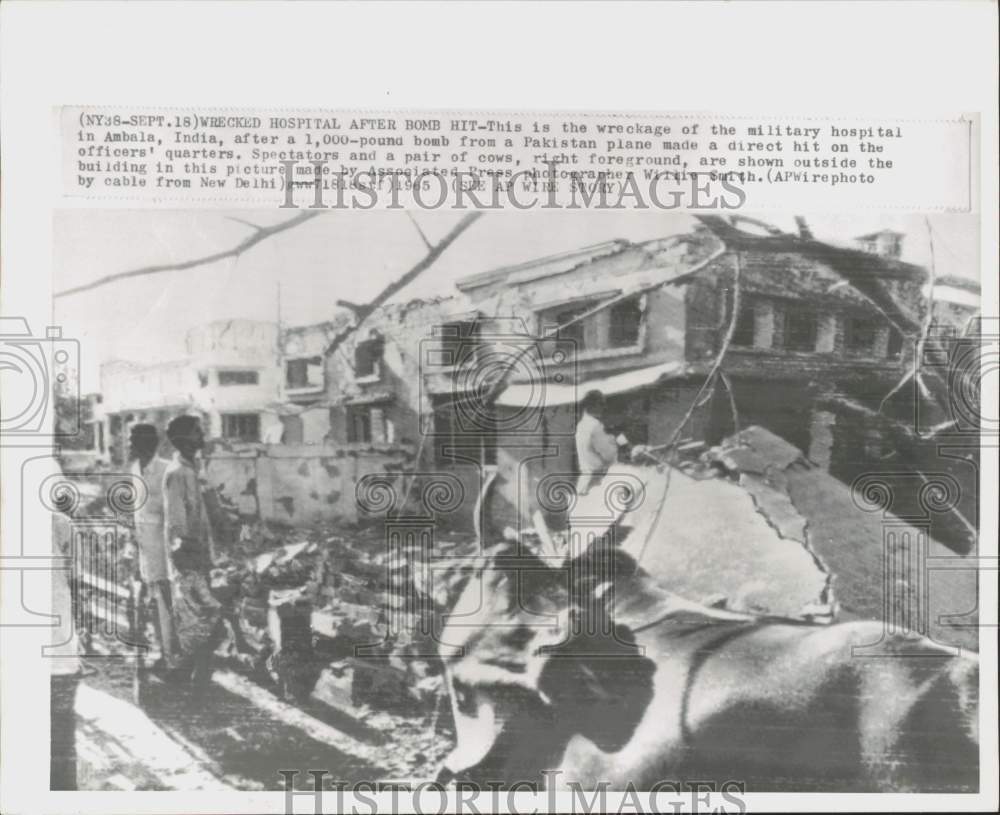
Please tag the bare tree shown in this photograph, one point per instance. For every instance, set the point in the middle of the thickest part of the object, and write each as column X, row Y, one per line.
column 434, row 252
column 260, row 233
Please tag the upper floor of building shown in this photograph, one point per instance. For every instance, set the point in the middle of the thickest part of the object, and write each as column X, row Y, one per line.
column 805, row 308
column 229, row 364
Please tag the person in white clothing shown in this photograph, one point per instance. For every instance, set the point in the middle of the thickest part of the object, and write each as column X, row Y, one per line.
column 150, row 534
column 596, row 449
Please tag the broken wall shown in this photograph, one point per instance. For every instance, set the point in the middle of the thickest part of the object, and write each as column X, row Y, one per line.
column 315, row 425
column 403, row 391
column 628, row 267
column 781, row 389
column 299, row 484
column 397, row 387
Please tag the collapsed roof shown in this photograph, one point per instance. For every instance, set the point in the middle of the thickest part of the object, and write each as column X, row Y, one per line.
column 773, row 533
column 867, row 272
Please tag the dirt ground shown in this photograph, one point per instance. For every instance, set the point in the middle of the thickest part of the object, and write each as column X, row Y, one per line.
column 238, row 735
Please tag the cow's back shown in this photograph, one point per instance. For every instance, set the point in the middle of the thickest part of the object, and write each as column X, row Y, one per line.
column 793, row 707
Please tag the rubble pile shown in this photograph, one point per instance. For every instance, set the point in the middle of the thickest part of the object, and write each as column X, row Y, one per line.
column 344, row 615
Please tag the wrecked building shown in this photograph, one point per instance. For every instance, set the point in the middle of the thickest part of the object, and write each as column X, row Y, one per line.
column 646, row 323
column 374, row 381
column 487, row 380
column 305, row 408
column 228, row 376
column 467, row 381
column 250, row 381
column 823, row 353
column 386, row 388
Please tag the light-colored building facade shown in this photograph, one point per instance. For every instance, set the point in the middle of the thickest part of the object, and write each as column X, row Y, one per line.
column 306, row 408
column 230, row 377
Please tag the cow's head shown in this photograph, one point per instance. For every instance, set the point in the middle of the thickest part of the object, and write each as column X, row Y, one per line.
column 533, row 656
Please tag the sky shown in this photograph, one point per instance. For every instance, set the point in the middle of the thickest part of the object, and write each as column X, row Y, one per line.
column 298, row 275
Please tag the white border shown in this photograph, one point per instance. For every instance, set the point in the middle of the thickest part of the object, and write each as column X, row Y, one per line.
column 818, row 58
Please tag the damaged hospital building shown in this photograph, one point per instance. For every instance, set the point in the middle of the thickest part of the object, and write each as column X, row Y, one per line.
column 803, row 339
column 488, row 379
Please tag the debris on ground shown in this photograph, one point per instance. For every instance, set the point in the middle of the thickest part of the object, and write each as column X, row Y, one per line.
column 339, row 618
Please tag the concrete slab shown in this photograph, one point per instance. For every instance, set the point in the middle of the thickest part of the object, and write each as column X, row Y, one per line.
column 710, row 537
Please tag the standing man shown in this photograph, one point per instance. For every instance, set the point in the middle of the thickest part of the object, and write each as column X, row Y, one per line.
column 149, row 532
column 596, row 449
column 197, row 614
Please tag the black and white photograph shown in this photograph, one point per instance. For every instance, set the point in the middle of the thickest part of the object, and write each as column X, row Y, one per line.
column 499, row 407
column 610, row 499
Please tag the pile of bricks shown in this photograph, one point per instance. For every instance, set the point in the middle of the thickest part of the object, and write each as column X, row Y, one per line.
column 354, row 614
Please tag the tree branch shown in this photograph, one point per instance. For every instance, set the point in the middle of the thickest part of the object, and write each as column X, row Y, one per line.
column 416, row 226
column 901, row 433
column 895, row 389
column 732, row 401
column 362, row 312
column 918, row 352
column 902, row 436
column 354, row 307
column 708, row 386
column 261, row 233
column 255, row 227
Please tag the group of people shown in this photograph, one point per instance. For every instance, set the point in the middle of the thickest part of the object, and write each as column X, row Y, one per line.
column 174, row 539
column 176, row 556
column 174, row 535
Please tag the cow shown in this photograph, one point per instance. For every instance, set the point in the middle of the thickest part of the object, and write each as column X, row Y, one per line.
column 590, row 673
